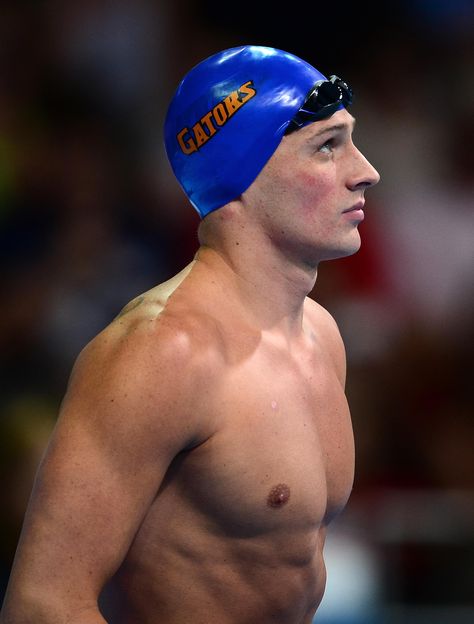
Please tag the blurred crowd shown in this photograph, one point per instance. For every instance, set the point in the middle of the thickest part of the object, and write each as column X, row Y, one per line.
column 90, row 216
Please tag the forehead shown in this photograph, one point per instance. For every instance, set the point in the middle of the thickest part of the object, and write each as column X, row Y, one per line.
column 282, row 157
column 342, row 120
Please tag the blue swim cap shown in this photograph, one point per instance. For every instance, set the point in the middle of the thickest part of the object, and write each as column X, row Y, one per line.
column 228, row 116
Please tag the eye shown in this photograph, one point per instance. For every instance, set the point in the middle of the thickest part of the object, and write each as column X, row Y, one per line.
column 326, row 147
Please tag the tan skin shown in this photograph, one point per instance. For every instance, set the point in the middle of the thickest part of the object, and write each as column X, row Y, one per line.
column 205, row 442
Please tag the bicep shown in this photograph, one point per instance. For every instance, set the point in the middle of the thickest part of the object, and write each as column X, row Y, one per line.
column 115, row 437
column 85, row 508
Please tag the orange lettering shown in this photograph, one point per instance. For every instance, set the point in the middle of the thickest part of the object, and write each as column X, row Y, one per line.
column 232, row 102
column 207, row 120
column 248, row 90
column 220, row 114
column 201, row 136
column 191, row 140
column 187, row 144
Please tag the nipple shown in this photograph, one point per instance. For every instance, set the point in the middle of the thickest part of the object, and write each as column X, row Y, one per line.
column 278, row 496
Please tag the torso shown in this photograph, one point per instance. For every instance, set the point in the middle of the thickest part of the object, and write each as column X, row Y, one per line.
column 236, row 531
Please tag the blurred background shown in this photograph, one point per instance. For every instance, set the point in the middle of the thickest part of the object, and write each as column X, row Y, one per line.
column 90, row 216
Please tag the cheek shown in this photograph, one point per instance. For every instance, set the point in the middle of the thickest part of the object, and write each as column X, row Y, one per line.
column 313, row 192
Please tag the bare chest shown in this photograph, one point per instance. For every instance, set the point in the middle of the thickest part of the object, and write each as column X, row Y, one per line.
column 283, row 452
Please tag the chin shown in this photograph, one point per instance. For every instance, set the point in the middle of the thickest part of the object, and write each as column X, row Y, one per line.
column 349, row 251
column 348, row 248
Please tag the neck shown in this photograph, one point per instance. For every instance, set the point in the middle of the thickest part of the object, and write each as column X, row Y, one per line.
column 270, row 285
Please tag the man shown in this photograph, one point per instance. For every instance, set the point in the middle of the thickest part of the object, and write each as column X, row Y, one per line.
column 205, row 443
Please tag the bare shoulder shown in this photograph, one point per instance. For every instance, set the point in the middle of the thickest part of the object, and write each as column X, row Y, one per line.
column 154, row 361
column 151, row 303
column 160, row 330
column 326, row 329
column 135, row 400
column 316, row 313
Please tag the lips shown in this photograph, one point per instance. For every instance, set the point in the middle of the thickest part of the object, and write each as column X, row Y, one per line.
column 358, row 206
column 355, row 214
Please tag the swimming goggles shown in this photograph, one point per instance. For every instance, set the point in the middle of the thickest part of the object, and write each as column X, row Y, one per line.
column 324, row 99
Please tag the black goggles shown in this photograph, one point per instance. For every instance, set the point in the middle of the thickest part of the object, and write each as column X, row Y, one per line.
column 322, row 101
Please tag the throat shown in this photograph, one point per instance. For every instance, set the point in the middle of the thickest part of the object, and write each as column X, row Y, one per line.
column 271, row 289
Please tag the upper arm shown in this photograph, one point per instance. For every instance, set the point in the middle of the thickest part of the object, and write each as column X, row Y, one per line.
column 123, row 419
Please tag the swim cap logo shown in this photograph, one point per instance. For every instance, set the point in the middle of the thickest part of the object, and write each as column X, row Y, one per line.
column 191, row 140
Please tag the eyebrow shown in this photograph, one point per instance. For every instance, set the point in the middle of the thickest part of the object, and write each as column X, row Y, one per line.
column 336, row 127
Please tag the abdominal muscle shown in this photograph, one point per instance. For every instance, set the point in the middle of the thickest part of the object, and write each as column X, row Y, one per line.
column 236, row 532
column 220, row 546
column 209, row 579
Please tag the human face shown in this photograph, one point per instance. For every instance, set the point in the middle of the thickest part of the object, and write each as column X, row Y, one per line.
column 310, row 195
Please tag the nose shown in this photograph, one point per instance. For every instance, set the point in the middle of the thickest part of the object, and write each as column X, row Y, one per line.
column 363, row 174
